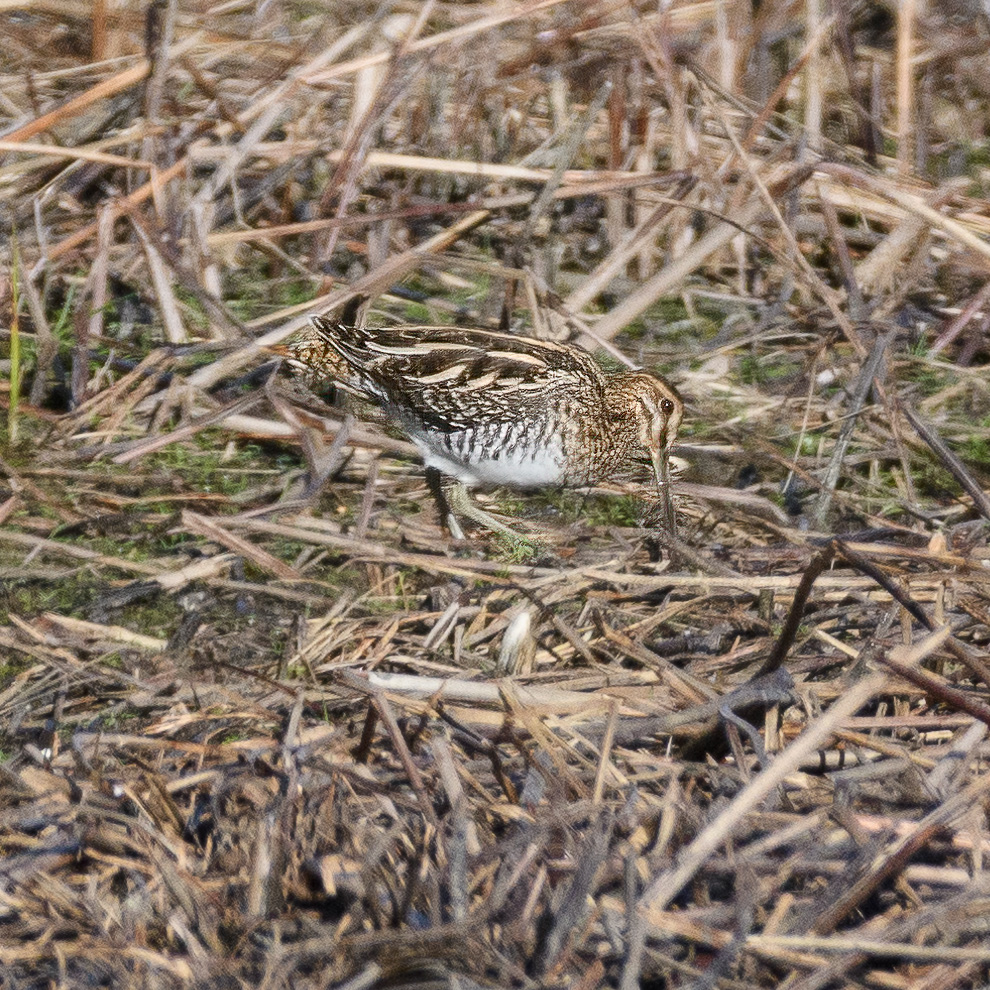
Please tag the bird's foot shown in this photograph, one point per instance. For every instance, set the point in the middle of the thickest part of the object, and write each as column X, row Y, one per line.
column 515, row 548
column 456, row 502
column 453, row 501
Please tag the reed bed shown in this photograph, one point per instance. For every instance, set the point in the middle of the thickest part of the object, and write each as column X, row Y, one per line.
column 263, row 724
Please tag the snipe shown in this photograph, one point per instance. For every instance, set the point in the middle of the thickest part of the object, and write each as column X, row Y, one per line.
column 489, row 408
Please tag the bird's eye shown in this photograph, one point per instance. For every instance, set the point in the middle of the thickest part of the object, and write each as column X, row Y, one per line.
column 667, row 406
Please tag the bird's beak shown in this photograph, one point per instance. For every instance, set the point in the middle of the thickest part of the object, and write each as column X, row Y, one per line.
column 661, row 468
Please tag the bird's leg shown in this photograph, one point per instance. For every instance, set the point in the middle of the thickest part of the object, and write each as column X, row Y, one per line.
column 453, row 500
column 444, row 505
column 460, row 502
column 447, row 518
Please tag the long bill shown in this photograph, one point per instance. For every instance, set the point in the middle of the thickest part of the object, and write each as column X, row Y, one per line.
column 661, row 468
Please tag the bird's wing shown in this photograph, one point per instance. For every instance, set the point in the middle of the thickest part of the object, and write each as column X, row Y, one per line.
column 449, row 376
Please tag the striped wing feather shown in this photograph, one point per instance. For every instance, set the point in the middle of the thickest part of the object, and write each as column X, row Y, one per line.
column 451, row 377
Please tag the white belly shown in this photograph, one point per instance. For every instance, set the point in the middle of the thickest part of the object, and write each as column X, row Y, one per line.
column 516, row 469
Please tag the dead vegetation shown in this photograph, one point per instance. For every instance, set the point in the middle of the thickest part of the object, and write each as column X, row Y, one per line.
column 262, row 725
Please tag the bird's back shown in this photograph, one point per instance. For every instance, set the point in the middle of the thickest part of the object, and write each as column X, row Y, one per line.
column 453, row 376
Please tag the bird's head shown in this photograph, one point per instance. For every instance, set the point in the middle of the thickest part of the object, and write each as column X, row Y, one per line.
column 656, row 411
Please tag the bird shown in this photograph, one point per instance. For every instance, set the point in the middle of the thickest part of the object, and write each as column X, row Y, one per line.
column 493, row 408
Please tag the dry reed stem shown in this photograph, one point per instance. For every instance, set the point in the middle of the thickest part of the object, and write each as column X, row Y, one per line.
column 252, row 737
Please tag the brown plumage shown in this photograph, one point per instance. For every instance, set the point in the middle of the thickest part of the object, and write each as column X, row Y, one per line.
column 489, row 408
